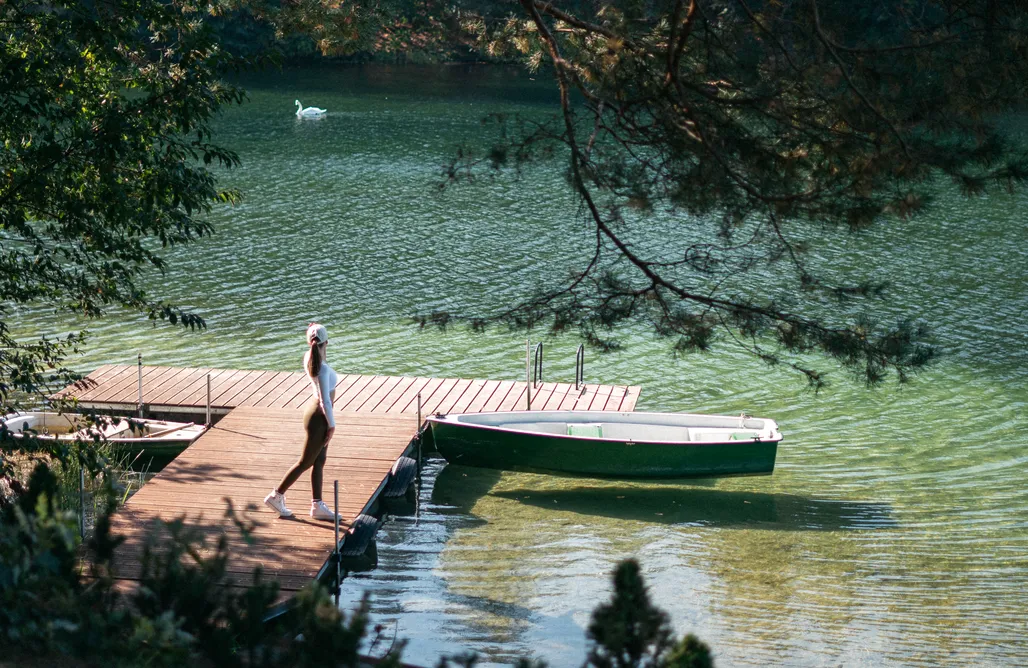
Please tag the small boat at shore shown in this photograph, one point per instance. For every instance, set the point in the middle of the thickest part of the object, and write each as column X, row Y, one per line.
column 609, row 444
column 159, row 438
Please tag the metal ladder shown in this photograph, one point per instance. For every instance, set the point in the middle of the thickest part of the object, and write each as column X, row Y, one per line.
column 534, row 369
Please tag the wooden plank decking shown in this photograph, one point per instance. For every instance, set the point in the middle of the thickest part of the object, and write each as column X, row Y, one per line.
column 241, row 459
column 184, row 390
column 261, row 434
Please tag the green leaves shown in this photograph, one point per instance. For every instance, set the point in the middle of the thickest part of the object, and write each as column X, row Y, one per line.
column 750, row 133
column 105, row 114
column 182, row 612
column 631, row 632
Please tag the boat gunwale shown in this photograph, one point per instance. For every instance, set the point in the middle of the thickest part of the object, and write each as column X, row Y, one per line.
column 454, row 419
column 114, row 440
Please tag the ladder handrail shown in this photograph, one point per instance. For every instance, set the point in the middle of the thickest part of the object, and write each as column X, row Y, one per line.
column 580, row 367
column 537, row 365
column 139, row 385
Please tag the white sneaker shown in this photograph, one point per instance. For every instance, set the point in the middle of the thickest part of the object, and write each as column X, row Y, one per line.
column 320, row 511
column 277, row 502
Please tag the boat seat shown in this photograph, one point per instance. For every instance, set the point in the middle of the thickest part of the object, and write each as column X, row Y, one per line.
column 588, row 430
column 716, row 435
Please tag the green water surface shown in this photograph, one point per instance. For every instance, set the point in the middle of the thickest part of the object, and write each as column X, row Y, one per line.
column 894, row 530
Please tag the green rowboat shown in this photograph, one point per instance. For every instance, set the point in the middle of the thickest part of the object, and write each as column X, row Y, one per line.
column 608, row 444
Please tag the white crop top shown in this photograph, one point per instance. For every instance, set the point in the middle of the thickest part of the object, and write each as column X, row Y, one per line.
column 323, row 386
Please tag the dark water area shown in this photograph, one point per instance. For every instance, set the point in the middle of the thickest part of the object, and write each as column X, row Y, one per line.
column 893, row 532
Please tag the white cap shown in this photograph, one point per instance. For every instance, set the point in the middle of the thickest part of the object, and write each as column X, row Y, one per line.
column 316, row 331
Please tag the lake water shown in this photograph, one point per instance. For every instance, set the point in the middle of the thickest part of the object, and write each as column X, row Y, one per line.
column 894, row 530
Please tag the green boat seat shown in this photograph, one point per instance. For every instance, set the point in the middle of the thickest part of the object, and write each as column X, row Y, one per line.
column 590, row 430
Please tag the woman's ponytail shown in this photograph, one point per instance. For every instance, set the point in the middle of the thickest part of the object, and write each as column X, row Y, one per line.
column 314, row 359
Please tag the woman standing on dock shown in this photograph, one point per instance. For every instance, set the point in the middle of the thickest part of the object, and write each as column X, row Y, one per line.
column 319, row 425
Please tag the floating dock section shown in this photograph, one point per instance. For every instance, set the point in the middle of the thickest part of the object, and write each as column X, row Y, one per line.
column 258, row 434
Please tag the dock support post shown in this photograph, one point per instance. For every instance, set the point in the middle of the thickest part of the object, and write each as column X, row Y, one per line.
column 528, row 373
column 208, row 423
column 82, row 501
column 139, row 397
column 338, row 556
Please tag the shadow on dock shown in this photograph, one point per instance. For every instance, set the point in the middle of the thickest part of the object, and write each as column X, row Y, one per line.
column 202, row 473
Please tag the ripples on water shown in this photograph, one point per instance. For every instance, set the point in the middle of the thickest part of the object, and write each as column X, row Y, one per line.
column 892, row 532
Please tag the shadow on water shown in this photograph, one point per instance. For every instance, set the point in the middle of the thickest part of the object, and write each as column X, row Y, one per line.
column 711, row 507
column 491, row 606
column 463, row 486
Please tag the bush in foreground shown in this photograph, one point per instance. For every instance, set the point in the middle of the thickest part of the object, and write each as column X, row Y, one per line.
column 53, row 606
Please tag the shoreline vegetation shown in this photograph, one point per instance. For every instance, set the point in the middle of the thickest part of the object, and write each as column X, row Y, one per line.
column 431, row 38
column 60, row 601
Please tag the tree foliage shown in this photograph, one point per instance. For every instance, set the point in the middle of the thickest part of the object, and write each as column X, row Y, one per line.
column 105, row 112
column 386, row 30
column 630, row 631
column 759, row 128
column 181, row 613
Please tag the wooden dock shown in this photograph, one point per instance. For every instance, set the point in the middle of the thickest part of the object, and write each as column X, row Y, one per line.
column 241, row 459
column 184, row 390
column 259, row 436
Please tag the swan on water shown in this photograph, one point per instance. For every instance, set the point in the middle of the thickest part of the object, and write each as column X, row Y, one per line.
column 309, row 112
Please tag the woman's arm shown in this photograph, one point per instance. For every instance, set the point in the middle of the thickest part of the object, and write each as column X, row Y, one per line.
column 325, row 393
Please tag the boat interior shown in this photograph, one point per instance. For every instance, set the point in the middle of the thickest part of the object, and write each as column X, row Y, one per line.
column 638, row 432
column 620, row 427
column 58, row 424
